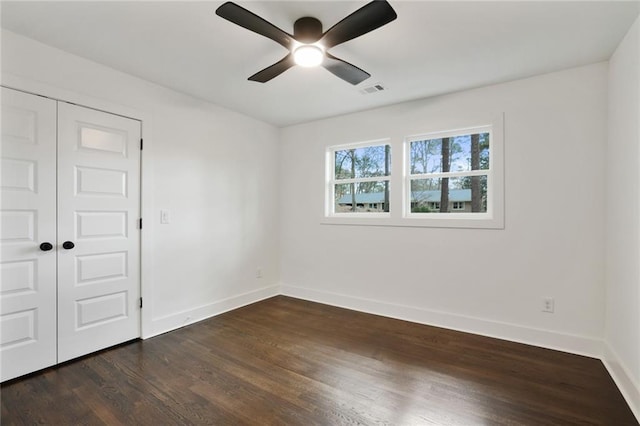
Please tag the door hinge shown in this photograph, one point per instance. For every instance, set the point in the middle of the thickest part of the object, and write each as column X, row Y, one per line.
column 140, row 223
column 141, row 144
column 141, row 303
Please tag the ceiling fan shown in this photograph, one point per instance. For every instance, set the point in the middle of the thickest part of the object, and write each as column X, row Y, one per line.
column 308, row 46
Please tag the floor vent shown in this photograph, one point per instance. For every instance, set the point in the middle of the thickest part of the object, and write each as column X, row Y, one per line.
column 378, row 87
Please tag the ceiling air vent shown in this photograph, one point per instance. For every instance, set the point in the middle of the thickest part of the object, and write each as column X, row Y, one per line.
column 378, row 87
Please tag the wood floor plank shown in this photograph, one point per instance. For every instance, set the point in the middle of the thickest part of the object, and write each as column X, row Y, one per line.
column 285, row 361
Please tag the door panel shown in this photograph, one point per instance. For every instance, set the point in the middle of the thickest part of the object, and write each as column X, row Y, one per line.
column 99, row 204
column 27, row 218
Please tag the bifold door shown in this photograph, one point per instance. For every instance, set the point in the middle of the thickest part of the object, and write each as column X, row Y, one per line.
column 70, row 179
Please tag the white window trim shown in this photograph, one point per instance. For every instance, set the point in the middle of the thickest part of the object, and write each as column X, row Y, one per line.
column 408, row 177
column 399, row 190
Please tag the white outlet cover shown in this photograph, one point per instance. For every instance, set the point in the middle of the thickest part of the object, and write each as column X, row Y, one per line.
column 164, row 216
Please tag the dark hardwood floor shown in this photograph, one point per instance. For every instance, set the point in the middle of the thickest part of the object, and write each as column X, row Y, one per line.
column 290, row 362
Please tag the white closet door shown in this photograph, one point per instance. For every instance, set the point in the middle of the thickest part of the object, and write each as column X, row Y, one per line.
column 98, row 211
column 28, row 219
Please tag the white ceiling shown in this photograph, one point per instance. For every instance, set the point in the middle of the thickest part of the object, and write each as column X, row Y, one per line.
column 434, row 47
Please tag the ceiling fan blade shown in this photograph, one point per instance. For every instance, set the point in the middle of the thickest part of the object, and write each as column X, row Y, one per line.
column 273, row 70
column 249, row 20
column 369, row 17
column 344, row 70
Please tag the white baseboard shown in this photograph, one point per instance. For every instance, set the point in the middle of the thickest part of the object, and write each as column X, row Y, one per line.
column 180, row 319
column 629, row 387
column 516, row 333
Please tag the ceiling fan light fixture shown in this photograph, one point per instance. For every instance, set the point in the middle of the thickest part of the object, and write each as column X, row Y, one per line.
column 308, row 55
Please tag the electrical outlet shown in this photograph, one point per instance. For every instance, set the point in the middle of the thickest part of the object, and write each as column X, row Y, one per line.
column 259, row 273
column 548, row 304
column 164, row 217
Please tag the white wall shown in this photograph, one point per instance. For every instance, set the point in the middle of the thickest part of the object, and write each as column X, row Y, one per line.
column 213, row 169
column 622, row 333
column 485, row 281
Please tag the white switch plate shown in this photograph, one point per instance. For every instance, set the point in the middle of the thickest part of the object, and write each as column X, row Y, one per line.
column 164, row 216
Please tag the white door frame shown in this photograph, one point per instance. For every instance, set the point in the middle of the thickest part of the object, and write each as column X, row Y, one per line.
column 146, row 176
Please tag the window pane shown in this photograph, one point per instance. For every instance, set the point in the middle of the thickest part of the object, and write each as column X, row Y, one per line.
column 369, row 161
column 426, row 156
column 463, row 195
column 462, row 153
column 363, row 197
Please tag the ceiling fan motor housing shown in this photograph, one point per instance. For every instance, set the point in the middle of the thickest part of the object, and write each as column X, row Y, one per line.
column 307, row 30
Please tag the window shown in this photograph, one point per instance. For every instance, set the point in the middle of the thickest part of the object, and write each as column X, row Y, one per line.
column 448, row 170
column 359, row 179
column 452, row 178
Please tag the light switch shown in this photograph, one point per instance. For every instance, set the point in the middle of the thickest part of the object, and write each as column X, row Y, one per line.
column 164, row 216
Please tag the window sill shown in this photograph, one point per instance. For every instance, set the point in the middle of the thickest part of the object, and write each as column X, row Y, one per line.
column 450, row 220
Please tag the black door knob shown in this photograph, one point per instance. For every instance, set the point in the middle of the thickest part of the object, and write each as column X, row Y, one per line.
column 46, row 246
column 68, row 245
